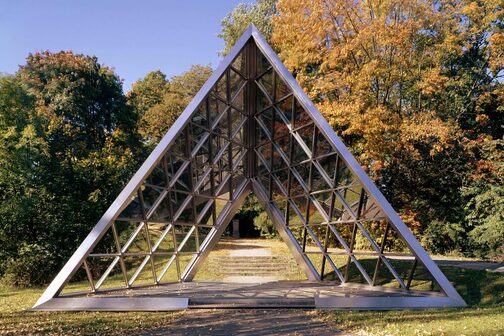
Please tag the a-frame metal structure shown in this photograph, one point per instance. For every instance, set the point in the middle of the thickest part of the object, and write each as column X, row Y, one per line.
column 251, row 128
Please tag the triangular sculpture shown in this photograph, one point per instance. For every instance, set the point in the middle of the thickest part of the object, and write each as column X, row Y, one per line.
column 252, row 128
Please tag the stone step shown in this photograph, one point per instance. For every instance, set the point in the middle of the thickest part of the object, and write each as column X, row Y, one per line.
column 255, row 265
column 251, row 303
column 262, row 270
column 254, row 269
column 252, row 261
column 245, row 267
column 249, row 267
column 252, row 264
column 229, row 271
column 215, row 266
column 253, row 257
column 252, row 273
column 245, row 261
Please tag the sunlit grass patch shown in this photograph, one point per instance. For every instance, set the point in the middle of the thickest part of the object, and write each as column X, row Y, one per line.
column 483, row 291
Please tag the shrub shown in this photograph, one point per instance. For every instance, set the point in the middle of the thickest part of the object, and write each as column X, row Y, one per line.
column 443, row 237
column 32, row 266
column 263, row 223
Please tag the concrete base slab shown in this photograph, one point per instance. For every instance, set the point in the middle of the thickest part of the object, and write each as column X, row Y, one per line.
column 279, row 294
column 251, row 279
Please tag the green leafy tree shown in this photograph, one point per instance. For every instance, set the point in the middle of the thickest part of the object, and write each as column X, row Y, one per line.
column 263, row 223
column 236, row 22
column 484, row 194
column 175, row 95
column 148, row 91
column 22, row 150
column 68, row 147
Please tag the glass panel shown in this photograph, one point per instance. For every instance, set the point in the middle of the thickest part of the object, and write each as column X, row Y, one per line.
column 263, row 64
column 301, row 117
column 150, row 197
column 323, row 147
column 299, row 153
column 236, row 82
column 264, row 180
column 315, row 216
column 298, row 207
column 219, row 89
column 164, row 274
column 266, row 80
column 297, row 232
column 286, row 106
column 222, row 125
column 98, row 267
column 161, row 237
column 106, row 245
column 262, row 135
column 200, row 117
column 281, row 88
column 296, row 216
column 239, row 64
column 265, row 119
column 137, row 243
column 237, row 121
column 262, row 100
column 320, row 180
column 79, row 283
column 281, row 122
column 298, row 187
column 302, row 173
column 133, row 210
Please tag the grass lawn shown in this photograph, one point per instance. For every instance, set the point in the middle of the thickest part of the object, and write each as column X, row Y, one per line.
column 15, row 321
column 483, row 291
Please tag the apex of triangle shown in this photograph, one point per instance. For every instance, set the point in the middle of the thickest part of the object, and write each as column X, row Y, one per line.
column 252, row 28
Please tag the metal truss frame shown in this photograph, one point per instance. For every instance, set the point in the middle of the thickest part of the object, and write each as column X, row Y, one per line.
column 250, row 128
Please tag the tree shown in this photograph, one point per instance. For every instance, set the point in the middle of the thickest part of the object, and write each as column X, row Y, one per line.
column 148, row 91
column 236, row 22
column 69, row 144
column 21, row 150
column 408, row 85
column 176, row 94
column 484, row 195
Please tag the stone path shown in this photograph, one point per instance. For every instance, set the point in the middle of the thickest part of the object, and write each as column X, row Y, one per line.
column 246, row 322
column 472, row 264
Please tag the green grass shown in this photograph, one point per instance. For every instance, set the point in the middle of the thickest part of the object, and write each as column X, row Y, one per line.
column 483, row 292
column 15, row 321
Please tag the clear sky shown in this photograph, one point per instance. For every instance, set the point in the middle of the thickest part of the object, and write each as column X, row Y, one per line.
column 133, row 37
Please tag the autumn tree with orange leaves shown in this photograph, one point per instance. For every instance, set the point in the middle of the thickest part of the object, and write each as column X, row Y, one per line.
column 413, row 88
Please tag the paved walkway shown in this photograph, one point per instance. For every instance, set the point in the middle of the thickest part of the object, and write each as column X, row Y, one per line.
column 246, row 322
column 471, row 264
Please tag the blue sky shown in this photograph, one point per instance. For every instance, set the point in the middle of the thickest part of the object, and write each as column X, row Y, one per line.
column 133, row 37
